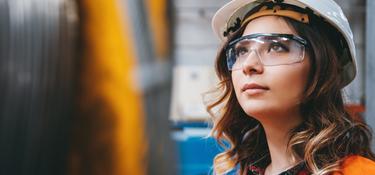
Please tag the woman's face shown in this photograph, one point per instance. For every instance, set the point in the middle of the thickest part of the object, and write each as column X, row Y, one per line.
column 270, row 91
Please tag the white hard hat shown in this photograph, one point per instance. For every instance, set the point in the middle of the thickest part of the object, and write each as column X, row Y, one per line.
column 235, row 11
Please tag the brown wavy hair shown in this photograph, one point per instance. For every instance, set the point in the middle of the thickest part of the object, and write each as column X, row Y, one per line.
column 327, row 133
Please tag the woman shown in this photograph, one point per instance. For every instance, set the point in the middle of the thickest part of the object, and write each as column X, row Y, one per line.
column 282, row 67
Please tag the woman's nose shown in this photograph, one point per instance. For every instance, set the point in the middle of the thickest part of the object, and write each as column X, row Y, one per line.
column 252, row 63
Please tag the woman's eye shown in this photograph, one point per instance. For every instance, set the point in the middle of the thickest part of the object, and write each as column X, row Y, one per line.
column 278, row 47
column 241, row 51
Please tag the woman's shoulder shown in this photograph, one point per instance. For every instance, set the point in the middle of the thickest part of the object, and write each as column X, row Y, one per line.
column 357, row 165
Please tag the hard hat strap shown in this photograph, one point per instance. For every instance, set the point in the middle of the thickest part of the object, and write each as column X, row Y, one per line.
column 278, row 11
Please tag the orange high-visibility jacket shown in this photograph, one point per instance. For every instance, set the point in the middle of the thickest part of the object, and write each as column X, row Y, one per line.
column 357, row 165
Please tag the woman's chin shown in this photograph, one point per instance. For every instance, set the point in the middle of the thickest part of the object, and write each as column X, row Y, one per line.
column 261, row 110
column 258, row 113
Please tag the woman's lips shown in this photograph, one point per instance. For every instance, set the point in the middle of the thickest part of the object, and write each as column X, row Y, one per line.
column 253, row 89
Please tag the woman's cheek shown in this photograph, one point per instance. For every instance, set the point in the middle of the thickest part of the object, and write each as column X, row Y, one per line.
column 289, row 86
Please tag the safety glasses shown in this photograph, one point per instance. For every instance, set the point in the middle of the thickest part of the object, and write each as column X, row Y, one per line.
column 272, row 49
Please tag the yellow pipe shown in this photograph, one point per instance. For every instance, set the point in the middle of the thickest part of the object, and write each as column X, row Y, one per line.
column 111, row 125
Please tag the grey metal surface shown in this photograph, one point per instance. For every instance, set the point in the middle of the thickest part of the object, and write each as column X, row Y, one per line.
column 195, row 43
column 355, row 10
column 141, row 30
column 37, row 63
column 370, row 66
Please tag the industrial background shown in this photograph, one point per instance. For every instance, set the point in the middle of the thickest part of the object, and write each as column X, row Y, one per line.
column 113, row 87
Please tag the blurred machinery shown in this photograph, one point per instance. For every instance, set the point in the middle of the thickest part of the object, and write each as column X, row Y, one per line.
column 71, row 101
column 151, row 26
column 115, row 86
column 193, row 75
column 38, row 45
column 108, row 134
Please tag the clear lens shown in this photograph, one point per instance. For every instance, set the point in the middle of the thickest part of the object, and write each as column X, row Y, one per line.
column 271, row 49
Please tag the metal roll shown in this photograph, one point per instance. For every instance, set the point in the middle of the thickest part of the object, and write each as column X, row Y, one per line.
column 37, row 68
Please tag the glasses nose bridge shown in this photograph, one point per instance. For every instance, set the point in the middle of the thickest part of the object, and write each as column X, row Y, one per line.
column 254, row 46
column 250, row 56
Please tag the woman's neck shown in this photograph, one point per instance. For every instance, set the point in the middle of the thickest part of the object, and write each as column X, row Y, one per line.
column 277, row 131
